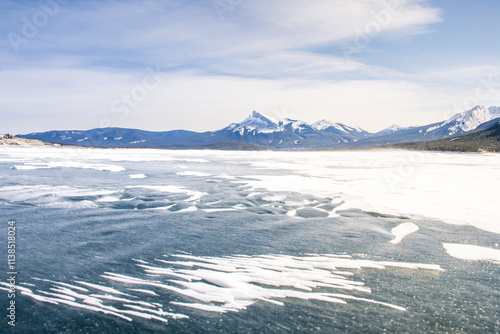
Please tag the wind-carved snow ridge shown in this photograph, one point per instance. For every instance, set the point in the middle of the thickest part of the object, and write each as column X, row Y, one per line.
column 219, row 284
column 97, row 298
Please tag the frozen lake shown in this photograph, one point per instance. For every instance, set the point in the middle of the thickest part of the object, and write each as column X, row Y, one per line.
column 126, row 240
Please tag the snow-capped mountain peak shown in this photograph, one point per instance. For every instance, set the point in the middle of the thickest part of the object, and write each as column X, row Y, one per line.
column 260, row 123
column 256, row 122
column 390, row 129
column 264, row 117
column 458, row 124
column 471, row 119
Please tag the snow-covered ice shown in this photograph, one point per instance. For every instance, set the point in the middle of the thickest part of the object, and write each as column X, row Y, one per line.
column 403, row 230
column 137, row 176
column 472, row 252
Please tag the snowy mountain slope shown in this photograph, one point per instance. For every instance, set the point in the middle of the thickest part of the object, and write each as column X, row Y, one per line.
column 391, row 129
column 341, row 129
column 256, row 129
column 471, row 119
column 484, row 138
column 258, row 123
column 108, row 137
column 289, row 133
column 459, row 124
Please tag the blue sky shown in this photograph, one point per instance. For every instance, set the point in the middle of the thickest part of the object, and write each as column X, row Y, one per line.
column 200, row 65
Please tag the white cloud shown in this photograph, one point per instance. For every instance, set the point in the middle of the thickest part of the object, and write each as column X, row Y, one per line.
column 165, row 31
column 82, row 99
column 307, row 23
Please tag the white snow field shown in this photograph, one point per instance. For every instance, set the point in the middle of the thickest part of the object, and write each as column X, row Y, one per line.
column 456, row 188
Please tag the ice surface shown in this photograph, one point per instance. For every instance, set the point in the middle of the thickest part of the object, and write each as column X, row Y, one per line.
column 455, row 188
column 281, row 196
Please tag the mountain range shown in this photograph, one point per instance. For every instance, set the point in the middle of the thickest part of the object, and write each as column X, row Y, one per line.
column 259, row 131
column 485, row 138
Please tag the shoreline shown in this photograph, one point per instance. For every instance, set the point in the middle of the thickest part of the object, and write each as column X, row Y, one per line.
column 418, row 146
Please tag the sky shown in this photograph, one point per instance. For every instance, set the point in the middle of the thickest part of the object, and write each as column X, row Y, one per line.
column 202, row 64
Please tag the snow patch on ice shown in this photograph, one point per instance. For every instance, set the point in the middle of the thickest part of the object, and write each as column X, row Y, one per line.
column 223, row 284
column 137, row 176
column 403, row 230
column 472, row 252
column 189, row 209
